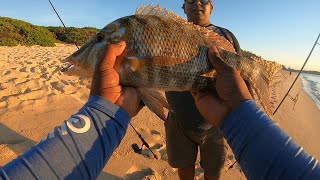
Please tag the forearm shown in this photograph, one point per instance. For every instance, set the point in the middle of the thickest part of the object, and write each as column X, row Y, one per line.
column 78, row 149
column 263, row 150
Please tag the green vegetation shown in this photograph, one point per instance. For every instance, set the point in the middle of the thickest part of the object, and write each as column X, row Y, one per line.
column 73, row 35
column 14, row 32
column 249, row 54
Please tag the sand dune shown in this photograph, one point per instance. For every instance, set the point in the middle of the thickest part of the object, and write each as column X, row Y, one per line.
column 35, row 96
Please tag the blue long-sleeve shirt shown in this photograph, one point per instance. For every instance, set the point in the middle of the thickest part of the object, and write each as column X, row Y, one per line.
column 81, row 147
column 263, row 150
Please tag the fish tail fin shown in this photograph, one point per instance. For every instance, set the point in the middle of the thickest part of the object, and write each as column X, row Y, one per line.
column 258, row 73
column 260, row 76
column 155, row 101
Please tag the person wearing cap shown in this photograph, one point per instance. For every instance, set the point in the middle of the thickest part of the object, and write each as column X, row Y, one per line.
column 186, row 129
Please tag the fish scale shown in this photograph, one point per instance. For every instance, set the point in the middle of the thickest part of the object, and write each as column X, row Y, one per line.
column 166, row 53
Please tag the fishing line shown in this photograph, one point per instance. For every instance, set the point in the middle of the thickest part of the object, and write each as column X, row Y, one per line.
column 65, row 28
column 59, row 18
column 316, row 43
column 134, row 146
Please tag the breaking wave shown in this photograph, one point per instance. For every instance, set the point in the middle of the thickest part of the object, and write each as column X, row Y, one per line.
column 311, row 84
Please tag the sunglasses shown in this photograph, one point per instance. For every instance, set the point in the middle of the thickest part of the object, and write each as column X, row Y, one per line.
column 203, row 2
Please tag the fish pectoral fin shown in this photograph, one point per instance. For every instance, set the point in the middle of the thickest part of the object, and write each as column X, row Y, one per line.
column 136, row 62
column 210, row 74
column 155, row 101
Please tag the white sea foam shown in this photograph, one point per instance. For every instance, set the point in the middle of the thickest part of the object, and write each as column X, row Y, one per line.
column 311, row 84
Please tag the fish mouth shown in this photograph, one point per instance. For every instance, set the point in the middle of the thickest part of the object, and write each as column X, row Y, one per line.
column 70, row 62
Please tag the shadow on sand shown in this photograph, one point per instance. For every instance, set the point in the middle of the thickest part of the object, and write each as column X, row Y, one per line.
column 15, row 141
column 107, row 176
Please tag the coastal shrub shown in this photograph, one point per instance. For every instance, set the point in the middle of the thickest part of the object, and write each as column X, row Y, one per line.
column 14, row 32
column 249, row 54
column 8, row 42
column 73, row 35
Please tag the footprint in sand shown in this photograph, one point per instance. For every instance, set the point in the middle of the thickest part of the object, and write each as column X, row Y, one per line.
column 230, row 163
column 57, row 86
column 33, row 95
column 33, row 69
column 47, row 60
column 3, row 107
column 6, row 73
column 158, row 149
column 136, row 172
column 23, row 69
column 64, row 82
column 63, row 87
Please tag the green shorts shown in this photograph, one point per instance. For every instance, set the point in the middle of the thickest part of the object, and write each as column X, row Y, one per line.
column 182, row 147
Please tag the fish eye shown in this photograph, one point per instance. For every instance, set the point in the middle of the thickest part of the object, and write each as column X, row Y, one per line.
column 99, row 37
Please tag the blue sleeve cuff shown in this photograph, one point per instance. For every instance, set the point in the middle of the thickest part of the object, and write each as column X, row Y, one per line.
column 107, row 107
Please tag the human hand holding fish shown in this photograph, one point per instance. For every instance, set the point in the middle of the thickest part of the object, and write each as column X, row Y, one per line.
column 230, row 88
column 105, row 81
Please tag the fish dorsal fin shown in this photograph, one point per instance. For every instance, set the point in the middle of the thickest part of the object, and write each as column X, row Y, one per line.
column 218, row 40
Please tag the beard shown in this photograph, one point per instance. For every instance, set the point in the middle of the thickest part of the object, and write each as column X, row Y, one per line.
column 196, row 16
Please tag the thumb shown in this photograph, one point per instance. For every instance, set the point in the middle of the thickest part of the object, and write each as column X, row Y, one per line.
column 216, row 61
column 111, row 53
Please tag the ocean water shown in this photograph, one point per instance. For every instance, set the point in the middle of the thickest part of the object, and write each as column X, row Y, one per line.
column 311, row 84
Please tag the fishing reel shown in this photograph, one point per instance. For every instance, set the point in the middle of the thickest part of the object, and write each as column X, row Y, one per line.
column 138, row 150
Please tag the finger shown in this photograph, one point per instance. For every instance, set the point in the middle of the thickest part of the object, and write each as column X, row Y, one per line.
column 198, row 96
column 112, row 88
column 129, row 101
column 111, row 53
column 215, row 51
column 110, row 76
column 132, row 95
column 216, row 61
column 131, row 92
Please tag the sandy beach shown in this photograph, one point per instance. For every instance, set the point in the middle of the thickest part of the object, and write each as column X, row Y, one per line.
column 35, row 96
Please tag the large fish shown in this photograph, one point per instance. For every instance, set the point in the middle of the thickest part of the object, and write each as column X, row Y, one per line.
column 165, row 52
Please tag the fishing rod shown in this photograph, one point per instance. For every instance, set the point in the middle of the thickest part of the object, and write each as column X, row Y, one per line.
column 144, row 143
column 316, row 43
column 59, row 18
column 134, row 146
column 65, row 68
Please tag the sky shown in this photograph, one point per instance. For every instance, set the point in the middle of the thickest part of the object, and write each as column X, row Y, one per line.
column 277, row 30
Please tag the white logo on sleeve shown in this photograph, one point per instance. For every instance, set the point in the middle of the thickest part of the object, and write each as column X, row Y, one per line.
column 76, row 119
